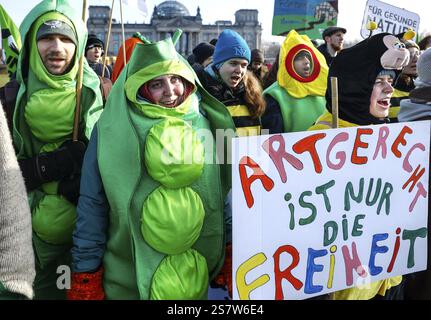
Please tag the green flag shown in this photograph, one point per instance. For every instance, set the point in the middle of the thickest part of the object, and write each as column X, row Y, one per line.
column 10, row 41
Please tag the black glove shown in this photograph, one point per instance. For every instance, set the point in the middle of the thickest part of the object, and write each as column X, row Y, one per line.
column 53, row 166
column 69, row 188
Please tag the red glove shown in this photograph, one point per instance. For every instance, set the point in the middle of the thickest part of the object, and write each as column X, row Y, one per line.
column 224, row 278
column 86, row 286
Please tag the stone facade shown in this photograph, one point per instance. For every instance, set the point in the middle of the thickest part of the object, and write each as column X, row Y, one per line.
column 169, row 16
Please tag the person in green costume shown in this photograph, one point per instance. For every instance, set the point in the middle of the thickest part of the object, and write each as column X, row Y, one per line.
column 150, row 214
column 297, row 99
column 54, row 38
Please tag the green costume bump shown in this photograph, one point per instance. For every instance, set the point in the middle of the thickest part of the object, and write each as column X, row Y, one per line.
column 172, row 219
column 180, row 277
column 182, row 153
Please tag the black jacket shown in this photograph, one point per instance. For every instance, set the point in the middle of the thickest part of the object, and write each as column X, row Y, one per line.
column 324, row 50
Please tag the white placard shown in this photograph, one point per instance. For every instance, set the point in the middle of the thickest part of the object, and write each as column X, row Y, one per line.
column 320, row 211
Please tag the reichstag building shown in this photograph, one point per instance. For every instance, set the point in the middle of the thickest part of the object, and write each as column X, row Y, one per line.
column 166, row 18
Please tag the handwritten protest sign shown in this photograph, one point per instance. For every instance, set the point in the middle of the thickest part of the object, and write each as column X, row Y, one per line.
column 319, row 211
column 389, row 19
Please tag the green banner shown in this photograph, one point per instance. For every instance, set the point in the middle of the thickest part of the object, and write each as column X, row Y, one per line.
column 309, row 17
column 10, row 41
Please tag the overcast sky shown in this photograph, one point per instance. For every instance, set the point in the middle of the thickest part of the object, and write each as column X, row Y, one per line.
column 350, row 15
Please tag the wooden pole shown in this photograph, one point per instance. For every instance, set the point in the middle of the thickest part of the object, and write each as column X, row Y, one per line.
column 79, row 82
column 122, row 31
column 108, row 39
column 334, row 91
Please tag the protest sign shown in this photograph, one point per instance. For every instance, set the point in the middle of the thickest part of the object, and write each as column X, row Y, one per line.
column 320, row 211
column 388, row 18
column 309, row 17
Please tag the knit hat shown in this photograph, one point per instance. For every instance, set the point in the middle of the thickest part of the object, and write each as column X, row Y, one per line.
column 424, row 69
column 230, row 45
column 257, row 56
column 93, row 41
column 203, row 51
column 56, row 27
column 386, row 72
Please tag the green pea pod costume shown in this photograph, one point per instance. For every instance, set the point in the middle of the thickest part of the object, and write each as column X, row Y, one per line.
column 166, row 228
column 43, row 120
column 302, row 100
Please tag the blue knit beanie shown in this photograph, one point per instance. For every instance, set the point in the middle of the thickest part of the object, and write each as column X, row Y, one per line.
column 230, row 45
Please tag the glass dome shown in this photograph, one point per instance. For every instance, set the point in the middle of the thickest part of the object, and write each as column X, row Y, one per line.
column 172, row 9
